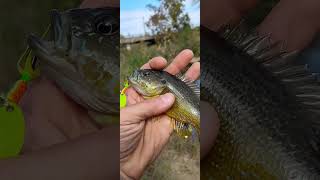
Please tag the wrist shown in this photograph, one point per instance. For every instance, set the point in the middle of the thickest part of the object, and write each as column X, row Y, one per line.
column 133, row 168
column 124, row 176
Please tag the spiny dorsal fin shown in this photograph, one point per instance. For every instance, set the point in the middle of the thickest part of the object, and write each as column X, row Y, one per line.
column 298, row 79
column 195, row 88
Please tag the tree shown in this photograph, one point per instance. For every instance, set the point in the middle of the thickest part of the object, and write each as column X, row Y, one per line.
column 168, row 18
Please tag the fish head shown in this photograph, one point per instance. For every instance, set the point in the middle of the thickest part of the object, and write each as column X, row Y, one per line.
column 86, row 42
column 83, row 49
column 94, row 31
column 148, row 82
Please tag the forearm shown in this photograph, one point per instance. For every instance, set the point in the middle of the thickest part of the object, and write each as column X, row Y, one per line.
column 293, row 21
column 216, row 13
column 93, row 157
column 100, row 3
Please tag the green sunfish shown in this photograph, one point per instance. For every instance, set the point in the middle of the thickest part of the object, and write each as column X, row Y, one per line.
column 186, row 109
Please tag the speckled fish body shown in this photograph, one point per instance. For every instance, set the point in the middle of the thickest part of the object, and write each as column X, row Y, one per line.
column 186, row 109
column 268, row 109
column 82, row 57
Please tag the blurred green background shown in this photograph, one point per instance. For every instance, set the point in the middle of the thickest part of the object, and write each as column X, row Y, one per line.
column 18, row 19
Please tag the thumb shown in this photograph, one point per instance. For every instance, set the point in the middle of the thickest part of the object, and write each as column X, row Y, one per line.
column 148, row 108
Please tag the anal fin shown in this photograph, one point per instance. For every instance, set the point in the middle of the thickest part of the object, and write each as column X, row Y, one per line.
column 183, row 130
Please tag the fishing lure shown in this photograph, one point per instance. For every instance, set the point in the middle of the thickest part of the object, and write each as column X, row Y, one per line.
column 12, row 126
column 123, row 97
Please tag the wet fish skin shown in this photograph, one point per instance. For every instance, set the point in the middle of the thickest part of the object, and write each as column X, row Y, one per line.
column 82, row 57
column 265, row 131
column 186, row 108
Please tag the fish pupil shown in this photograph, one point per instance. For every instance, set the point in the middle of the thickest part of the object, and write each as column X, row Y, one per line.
column 146, row 73
column 104, row 28
column 107, row 26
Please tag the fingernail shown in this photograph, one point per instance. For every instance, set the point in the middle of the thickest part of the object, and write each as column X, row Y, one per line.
column 167, row 98
column 188, row 51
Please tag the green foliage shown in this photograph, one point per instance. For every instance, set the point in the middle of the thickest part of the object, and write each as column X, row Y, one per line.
column 168, row 18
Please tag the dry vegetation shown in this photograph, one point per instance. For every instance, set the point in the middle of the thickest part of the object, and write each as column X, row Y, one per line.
column 180, row 160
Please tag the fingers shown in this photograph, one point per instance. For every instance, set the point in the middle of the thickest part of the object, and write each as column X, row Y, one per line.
column 133, row 97
column 146, row 109
column 155, row 63
column 193, row 72
column 180, row 62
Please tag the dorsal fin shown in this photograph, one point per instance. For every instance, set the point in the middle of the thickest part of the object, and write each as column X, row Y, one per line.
column 192, row 84
column 297, row 78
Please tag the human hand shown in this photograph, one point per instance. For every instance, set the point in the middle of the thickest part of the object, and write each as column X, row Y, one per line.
column 141, row 137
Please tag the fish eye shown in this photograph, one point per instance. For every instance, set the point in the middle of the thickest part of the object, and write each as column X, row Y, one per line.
column 146, row 73
column 107, row 26
column 163, row 81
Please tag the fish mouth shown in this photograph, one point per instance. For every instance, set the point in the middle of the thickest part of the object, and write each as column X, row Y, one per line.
column 38, row 45
column 133, row 77
column 133, row 81
column 42, row 49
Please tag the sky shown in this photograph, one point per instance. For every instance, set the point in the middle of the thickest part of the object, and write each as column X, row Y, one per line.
column 134, row 14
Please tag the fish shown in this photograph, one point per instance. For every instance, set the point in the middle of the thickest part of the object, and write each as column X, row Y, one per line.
column 185, row 111
column 82, row 56
column 268, row 108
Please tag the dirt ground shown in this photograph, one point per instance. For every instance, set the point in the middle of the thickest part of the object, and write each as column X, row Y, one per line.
column 180, row 160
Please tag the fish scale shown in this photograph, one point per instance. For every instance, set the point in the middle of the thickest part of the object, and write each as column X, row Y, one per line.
column 265, row 130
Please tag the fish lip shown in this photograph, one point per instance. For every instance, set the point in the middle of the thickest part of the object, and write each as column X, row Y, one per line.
column 132, row 80
column 133, row 77
column 37, row 44
column 41, row 49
